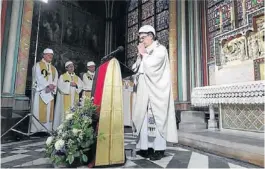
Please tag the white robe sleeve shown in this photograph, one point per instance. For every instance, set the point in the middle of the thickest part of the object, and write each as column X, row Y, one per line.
column 42, row 83
column 79, row 86
column 153, row 63
column 87, row 83
column 137, row 64
column 55, row 81
column 64, row 87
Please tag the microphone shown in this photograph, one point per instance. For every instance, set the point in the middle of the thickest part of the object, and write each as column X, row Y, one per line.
column 119, row 49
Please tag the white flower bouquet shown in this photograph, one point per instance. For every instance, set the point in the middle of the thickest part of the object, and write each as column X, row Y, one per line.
column 72, row 141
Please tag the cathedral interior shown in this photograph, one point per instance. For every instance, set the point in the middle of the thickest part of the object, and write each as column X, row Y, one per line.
column 206, row 40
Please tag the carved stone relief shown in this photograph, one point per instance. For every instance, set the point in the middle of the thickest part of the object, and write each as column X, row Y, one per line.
column 234, row 50
column 256, row 40
column 253, row 46
column 247, row 46
column 261, row 34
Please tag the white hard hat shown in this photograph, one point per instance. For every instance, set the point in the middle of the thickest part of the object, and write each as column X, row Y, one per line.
column 146, row 29
column 68, row 63
column 90, row 64
column 47, row 50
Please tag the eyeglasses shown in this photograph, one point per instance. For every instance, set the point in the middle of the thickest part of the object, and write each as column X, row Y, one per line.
column 143, row 37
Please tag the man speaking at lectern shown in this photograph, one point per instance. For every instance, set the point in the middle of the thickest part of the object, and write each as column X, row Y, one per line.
column 154, row 114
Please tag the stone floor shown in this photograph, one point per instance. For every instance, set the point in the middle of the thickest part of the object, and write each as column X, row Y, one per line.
column 30, row 154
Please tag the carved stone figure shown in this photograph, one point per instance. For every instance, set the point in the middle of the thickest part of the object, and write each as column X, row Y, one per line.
column 253, row 47
column 234, row 50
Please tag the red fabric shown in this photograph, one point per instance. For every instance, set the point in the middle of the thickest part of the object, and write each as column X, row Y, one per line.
column 100, row 85
column 98, row 98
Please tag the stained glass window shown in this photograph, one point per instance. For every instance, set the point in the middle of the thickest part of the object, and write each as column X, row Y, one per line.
column 151, row 12
column 211, row 42
column 239, row 12
column 132, row 5
column 162, row 20
column 144, row 1
column 161, row 5
column 254, row 4
column 149, row 21
column 130, row 62
column 148, row 9
column 132, row 50
column 213, row 2
column 162, row 37
column 132, row 17
column 132, row 33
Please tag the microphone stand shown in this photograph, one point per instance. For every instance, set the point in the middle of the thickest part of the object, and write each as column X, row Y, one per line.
column 106, row 58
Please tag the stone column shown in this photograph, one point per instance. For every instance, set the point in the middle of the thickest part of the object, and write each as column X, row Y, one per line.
column 212, row 125
column 184, row 55
column 9, row 66
column 173, row 46
column 197, row 45
column 24, row 46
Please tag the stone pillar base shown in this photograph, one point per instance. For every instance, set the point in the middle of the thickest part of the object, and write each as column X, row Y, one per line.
column 192, row 120
column 212, row 125
column 13, row 109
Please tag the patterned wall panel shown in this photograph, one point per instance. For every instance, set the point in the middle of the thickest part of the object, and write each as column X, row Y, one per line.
column 132, row 33
column 162, row 20
column 132, row 50
column 149, row 21
column 157, row 17
column 161, row 5
column 247, row 6
column 212, row 3
column 239, row 6
column 132, row 5
column 162, row 37
column 214, row 19
column 148, row 9
column 132, row 17
column 253, row 5
column 144, row 1
column 248, row 117
column 211, row 45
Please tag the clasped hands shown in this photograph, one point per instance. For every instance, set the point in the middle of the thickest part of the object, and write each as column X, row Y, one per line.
column 73, row 84
column 50, row 88
column 141, row 49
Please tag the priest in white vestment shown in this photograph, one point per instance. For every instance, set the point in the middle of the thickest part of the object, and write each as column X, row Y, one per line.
column 88, row 78
column 69, row 87
column 154, row 119
column 45, row 77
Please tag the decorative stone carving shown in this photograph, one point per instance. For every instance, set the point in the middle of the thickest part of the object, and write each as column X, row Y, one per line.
column 253, row 46
column 251, row 21
column 248, row 117
column 234, row 50
column 261, row 34
column 237, row 93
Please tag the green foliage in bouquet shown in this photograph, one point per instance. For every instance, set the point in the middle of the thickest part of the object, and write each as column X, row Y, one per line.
column 73, row 139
